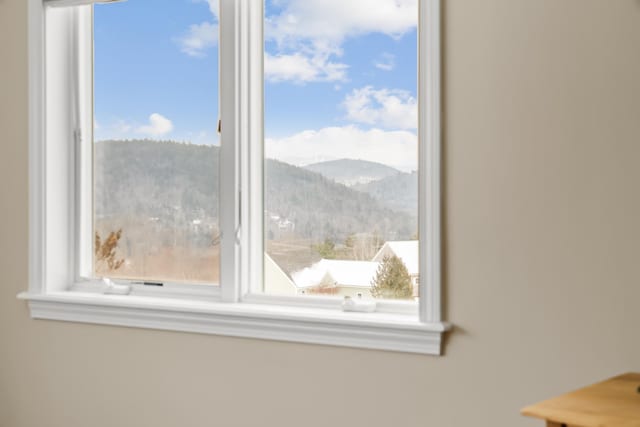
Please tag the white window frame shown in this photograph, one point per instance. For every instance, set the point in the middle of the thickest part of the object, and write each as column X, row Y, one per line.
column 61, row 110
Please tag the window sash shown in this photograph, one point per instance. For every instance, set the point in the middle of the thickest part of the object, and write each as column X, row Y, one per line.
column 249, row 81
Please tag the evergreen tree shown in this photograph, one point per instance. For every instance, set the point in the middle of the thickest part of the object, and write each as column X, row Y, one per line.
column 326, row 249
column 392, row 280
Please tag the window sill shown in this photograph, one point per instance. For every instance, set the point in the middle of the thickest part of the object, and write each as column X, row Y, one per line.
column 380, row 331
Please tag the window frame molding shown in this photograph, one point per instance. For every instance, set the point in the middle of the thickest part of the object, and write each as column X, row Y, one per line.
column 234, row 308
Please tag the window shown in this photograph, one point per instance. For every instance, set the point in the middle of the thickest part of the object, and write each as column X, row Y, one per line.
column 156, row 148
column 312, row 216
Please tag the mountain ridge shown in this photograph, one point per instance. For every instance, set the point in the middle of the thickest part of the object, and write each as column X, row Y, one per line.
column 352, row 172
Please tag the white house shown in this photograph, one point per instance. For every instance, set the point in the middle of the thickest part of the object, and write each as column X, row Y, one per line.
column 346, row 277
column 337, row 277
column 276, row 281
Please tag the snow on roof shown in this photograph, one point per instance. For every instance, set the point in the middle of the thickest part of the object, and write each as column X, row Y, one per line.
column 406, row 250
column 343, row 272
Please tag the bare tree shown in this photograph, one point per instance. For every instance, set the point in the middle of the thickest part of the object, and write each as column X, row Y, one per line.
column 105, row 251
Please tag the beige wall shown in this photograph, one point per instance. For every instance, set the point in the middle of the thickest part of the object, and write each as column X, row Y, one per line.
column 542, row 254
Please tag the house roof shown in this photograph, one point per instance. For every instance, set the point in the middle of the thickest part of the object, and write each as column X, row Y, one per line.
column 407, row 250
column 343, row 272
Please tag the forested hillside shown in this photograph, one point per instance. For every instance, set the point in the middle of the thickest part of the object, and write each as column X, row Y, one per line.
column 321, row 208
column 155, row 178
column 399, row 191
column 176, row 183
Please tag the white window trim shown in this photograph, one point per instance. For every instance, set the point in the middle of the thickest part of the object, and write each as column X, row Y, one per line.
column 231, row 309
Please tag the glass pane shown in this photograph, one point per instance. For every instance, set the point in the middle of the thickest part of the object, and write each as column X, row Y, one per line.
column 156, row 143
column 341, row 148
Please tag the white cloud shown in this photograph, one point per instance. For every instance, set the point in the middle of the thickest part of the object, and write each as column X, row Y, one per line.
column 334, row 20
column 202, row 137
column 121, row 126
column 158, row 126
column 386, row 62
column 393, row 148
column 199, row 38
column 299, row 68
column 214, row 8
column 315, row 29
column 115, row 129
column 387, row 108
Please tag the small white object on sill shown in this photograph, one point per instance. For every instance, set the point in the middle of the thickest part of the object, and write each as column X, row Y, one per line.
column 115, row 289
column 358, row 304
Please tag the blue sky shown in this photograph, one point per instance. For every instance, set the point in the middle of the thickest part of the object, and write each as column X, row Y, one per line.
column 340, row 81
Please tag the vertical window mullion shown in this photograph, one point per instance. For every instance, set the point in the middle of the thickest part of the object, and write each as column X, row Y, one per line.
column 253, row 253
column 230, row 220
column 247, row 125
